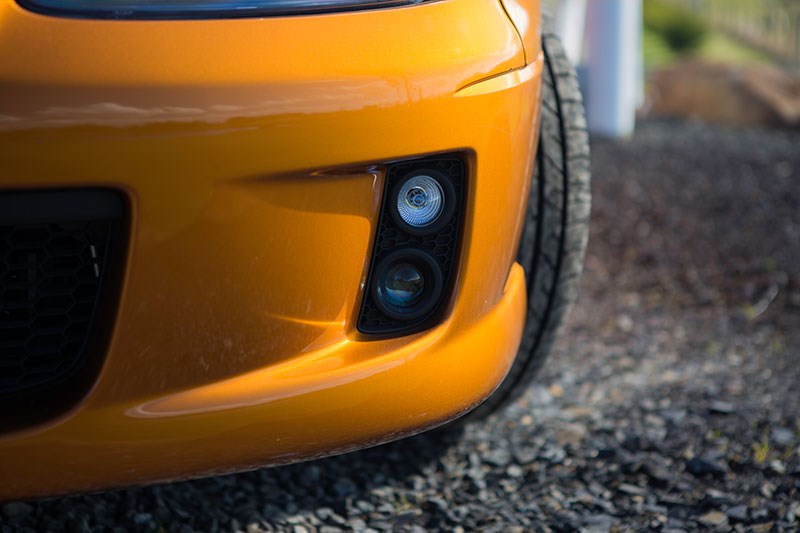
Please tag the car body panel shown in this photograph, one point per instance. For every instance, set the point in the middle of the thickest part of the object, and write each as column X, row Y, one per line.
column 253, row 153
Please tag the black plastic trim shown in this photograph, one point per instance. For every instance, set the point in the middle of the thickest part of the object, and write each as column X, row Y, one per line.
column 43, row 402
column 38, row 207
column 441, row 242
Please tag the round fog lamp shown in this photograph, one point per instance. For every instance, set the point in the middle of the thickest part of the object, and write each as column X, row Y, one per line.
column 408, row 284
column 402, row 284
column 420, row 201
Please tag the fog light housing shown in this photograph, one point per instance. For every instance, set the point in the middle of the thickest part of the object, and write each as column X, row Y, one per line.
column 408, row 284
column 414, row 262
column 423, row 201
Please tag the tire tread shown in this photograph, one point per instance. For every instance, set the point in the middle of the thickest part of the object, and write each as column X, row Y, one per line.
column 554, row 239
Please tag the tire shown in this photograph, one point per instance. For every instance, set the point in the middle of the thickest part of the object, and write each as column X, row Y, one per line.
column 557, row 224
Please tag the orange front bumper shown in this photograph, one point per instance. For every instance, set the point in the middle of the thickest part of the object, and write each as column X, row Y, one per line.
column 253, row 152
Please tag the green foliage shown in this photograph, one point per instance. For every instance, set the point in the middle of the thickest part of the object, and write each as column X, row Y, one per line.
column 681, row 30
column 762, row 450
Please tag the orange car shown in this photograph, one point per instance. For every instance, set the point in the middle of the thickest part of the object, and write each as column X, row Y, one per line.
column 237, row 233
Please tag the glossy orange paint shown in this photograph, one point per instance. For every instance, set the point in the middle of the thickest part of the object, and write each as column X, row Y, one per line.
column 253, row 153
column 526, row 16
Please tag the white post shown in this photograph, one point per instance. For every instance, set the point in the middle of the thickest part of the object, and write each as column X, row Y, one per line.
column 570, row 26
column 613, row 54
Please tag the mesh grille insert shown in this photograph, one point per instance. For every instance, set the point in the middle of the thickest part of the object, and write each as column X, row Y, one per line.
column 57, row 252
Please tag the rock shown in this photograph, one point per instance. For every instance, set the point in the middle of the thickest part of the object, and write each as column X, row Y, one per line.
column 365, row 507
column 576, row 412
column 524, row 455
column 571, row 434
column 632, row 442
column 721, row 408
column 509, row 486
column 295, row 519
column 142, row 518
column 714, row 519
column 659, row 477
column 556, row 390
column 737, row 513
column 514, row 471
column 406, row 517
column 717, row 497
column 345, row 487
column 356, row 524
column 625, row 323
column 598, row 523
column 793, row 514
column 439, row 504
column 324, row 513
column 552, row 454
column 782, row 436
column 659, row 510
column 16, row 510
column 700, row 467
column 385, row 508
column 759, row 515
column 498, row 457
column 631, row 489
column 777, row 467
column 604, row 454
column 338, row 519
column 631, row 463
column 310, row 476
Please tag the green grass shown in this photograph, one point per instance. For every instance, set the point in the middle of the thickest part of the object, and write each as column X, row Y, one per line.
column 720, row 47
column 657, row 53
column 717, row 47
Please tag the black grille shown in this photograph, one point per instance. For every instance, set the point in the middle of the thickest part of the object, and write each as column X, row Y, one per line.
column 443, row 244
column 57, row 251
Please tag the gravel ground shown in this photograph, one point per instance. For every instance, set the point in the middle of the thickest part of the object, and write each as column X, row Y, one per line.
column 671, row 403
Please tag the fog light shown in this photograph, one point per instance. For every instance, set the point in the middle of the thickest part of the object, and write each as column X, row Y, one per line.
column 408, row 284
column 420, row 201
column 402, row 284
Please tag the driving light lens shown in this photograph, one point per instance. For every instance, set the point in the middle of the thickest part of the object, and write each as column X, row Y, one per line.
column 402, row 285
column 420, row 201
column 408, row 284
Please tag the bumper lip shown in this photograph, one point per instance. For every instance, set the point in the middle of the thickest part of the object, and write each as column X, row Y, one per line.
column 442, row 374
column 298, row 378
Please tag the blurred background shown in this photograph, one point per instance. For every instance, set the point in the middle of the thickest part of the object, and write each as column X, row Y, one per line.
column 732, row 62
